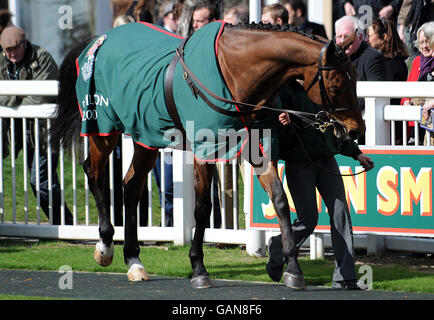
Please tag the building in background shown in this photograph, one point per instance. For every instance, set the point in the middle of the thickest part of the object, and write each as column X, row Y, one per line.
column 59, row 24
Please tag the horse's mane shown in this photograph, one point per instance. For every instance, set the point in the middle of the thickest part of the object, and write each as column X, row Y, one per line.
column 276, row 27
column 283, row 28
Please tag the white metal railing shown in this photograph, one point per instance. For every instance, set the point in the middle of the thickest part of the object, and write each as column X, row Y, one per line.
column 378, row 113
column 183, row 227
column 378, row 117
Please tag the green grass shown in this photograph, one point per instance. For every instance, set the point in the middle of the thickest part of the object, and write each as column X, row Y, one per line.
column 170, row 260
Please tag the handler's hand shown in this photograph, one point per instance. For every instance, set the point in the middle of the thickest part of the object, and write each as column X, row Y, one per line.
column 365, row 161
column 284, row 118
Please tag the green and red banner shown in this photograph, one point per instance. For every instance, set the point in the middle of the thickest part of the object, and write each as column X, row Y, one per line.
column 394, row 198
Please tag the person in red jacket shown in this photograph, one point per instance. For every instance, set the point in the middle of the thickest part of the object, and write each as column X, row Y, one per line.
column 423, row 64
column 425, row 35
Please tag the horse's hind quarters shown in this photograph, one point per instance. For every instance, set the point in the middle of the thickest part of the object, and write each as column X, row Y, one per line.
column 103, row 255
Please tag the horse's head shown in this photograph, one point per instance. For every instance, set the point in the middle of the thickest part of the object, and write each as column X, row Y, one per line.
column 333, row 86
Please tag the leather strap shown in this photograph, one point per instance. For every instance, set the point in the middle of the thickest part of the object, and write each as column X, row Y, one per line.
column 168, row 94
column 188, row 75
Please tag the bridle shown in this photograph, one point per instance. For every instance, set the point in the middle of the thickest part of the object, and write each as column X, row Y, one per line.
column 325, row 101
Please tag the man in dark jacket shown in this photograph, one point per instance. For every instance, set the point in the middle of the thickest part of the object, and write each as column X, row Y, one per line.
column 21, row 60
column 297, row 16
column 369, row 62
column 388, row 9
column 309, row 164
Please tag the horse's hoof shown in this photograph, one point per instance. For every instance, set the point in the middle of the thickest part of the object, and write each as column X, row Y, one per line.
column 294, row 281
column 137, row 273
column 201, row 282
column 103, row 255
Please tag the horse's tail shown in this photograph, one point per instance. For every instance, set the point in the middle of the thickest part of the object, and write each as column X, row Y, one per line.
column 66, row 121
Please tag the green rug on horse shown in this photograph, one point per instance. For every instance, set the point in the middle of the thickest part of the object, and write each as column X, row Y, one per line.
column 120, row 88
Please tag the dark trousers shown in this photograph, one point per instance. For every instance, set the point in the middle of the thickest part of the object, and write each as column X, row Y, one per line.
column 302, row 178
column 168, row 186
column 43, row 185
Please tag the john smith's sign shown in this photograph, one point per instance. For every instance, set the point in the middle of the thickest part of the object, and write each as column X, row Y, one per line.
column 396, row 197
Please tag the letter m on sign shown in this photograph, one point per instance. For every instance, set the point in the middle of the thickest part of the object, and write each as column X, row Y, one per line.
column 416, row 190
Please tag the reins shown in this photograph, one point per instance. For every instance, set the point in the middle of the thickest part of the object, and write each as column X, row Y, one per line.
column 320, row 79
column 188, row 76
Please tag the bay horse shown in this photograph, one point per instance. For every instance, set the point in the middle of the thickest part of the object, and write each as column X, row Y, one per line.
column 255, row 61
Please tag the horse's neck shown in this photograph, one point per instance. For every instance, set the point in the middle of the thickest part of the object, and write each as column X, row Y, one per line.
column 257, row 64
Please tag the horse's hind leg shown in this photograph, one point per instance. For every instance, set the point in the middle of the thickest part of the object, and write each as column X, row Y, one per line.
column 100, row 149
column 293, row 276
column 203, row 174
column 134, row 181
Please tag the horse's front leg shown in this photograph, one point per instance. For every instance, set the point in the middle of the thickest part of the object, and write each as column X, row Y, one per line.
column 134, row 181
column 99, row 151
column 293, row 276
column 203, row 174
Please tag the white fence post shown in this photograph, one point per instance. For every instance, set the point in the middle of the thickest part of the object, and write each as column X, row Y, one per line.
column 127, row 153
column 316, row 243
column 255, row 239
column 254, row 11
column 377, row 133
column 183, row 196
column 377, row 130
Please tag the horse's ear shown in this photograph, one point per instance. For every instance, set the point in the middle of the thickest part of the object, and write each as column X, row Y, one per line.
column 331, row 50
column 329, row 53
column 349, row 41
